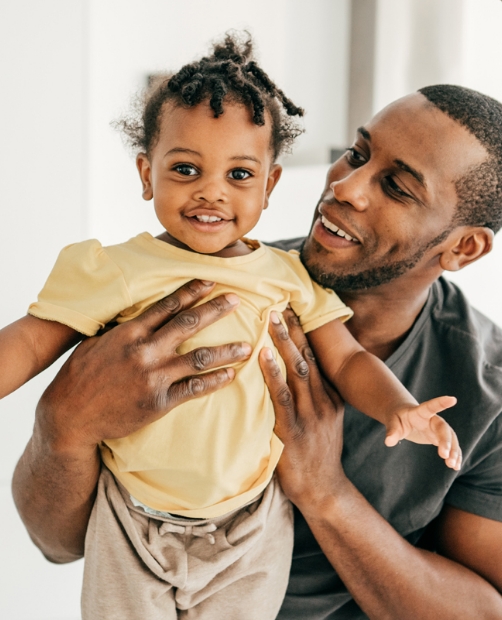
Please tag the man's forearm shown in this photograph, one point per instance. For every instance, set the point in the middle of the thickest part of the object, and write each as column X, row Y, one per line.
column 388, row 577
column 54, row 492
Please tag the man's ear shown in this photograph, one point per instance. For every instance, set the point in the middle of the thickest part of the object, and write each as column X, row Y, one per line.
column 273, row 178
column 145, row 174
column 467, row 246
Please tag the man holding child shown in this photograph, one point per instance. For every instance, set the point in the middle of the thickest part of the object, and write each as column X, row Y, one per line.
column 379, row 532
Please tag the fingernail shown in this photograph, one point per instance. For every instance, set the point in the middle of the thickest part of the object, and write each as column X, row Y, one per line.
column 246, row 348
column 274, row 317
column 232, row 299
column 207, row 283
column 268, row 353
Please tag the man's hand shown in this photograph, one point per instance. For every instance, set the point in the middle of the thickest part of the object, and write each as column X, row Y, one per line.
column 130, row 376
column 309, row 421
column 386, row 576
column 111, row 386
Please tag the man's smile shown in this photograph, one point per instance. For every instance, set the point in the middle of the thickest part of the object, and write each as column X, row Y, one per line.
column 337, row 230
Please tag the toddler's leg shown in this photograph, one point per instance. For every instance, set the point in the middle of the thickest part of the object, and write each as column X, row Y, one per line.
column 250, row 564
column 122, row 580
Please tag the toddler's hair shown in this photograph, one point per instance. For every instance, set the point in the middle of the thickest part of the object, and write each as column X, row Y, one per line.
column 229, row 74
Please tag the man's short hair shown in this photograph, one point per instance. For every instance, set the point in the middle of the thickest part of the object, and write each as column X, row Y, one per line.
column 480, row 190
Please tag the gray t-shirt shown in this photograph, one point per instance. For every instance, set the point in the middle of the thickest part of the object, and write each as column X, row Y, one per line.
column 452, row 349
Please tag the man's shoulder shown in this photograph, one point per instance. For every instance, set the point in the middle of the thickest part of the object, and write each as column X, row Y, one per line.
column 287, row 244
column 475, row 333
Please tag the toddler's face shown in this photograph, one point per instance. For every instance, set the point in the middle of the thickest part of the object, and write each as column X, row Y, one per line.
column 210, row 178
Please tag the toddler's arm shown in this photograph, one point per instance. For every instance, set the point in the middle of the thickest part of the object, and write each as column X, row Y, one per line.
column 29, row 346
column 367, row 384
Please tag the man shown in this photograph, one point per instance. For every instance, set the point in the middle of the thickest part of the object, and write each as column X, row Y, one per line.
column 418, row 193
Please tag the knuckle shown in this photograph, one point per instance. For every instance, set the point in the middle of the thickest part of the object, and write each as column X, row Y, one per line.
column 282, row 332
column 193, row 288
column 234, row 350
column 133, row 331
column 142, row 354
column 291, row 319
column 186, row 321
column 195, row 386
column 284, row 397
column 302, row 368
column 201, row 358
column 170, row 304
column 217, row 304
column 308, row 354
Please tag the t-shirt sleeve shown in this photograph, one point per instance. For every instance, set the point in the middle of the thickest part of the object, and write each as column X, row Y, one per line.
column 85, row 289
column 313, row 304
column 479, row 489
column 325, row 307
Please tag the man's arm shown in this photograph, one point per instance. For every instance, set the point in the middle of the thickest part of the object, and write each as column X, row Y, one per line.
column 388, row 577
column 111, row 386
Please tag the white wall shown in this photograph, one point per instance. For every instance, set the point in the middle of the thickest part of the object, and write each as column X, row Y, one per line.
column 43, row 187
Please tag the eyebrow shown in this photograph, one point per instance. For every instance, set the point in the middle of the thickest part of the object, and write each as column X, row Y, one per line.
column 414, row 173
column 248, row 157
column 365, row 133
column 399, row 162
column 179, row 149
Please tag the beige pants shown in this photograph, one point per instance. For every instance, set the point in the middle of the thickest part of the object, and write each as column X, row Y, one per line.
column 234, row 567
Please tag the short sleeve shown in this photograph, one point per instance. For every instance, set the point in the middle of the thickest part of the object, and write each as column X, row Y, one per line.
column 85, row 289
column 479, row 489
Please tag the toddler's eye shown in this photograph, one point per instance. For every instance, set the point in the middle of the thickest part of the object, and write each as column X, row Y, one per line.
column 185, row 169
column 239, row 174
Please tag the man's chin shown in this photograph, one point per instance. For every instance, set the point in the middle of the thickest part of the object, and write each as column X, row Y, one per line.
column 363, row 279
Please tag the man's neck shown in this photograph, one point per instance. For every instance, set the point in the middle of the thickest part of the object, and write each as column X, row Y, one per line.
column 384, row 316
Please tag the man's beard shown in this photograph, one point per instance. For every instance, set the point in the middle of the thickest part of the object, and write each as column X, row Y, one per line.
column 365, row 279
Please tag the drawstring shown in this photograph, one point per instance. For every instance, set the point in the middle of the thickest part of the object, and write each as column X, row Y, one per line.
column 199, row 531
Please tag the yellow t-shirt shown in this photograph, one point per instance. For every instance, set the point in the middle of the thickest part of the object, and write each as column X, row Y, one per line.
column 216, row 453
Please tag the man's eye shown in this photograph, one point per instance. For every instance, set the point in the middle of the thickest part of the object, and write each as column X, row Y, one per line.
column 354, row 157
column 239, row 175
column 393, row 187
column 185, row 169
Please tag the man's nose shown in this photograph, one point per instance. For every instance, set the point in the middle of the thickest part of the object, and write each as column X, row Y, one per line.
column 353, row 189
column 211, row 190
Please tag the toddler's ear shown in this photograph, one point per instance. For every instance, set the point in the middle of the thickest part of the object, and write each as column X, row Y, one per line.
column 273, row 178
column 145, row 171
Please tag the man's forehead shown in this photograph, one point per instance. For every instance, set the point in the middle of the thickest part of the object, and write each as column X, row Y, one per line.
column 416, row 132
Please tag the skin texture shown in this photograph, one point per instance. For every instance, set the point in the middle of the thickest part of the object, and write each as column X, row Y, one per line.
column 387, row 577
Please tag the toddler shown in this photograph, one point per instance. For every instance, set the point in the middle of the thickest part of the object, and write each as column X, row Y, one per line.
column 189, row 520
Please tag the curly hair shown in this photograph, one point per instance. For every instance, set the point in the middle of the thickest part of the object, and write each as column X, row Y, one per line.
column 229, row 74
column 480, row 190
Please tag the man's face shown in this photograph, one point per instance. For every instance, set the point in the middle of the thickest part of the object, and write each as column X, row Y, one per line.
column 389, row 201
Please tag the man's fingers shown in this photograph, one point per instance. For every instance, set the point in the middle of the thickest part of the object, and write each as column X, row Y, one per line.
column 297, row 366
column 168, row 307
column 206, row 358
column 304, row 378
column 284, row 407
column 194, row 387
column 187, row 323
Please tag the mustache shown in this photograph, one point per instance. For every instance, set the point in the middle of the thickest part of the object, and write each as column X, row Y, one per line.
column 328, row 199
